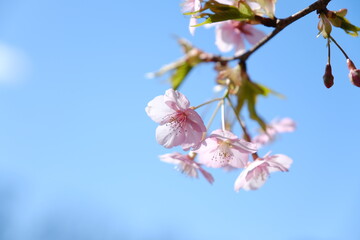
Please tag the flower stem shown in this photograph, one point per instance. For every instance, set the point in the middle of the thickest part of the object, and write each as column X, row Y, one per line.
column 208, row 102
column 341, row 49
column 243, row 127
column 328, row 45
column 223, row 115
column 213, row 115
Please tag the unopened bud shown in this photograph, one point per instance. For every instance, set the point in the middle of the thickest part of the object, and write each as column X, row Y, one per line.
column 328, row 77
column 354, row 73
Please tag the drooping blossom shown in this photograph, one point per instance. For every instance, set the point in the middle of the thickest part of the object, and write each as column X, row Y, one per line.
column 187, row 165
column 231, row 34
column 192, row 6
column 278, row 126
column 257, row 172
column 223, row 148
column 354, row 73
column 180, row 125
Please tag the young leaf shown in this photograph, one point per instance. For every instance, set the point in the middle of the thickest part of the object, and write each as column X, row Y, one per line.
column 248, row 93
column 338, row 20
column 223, row 12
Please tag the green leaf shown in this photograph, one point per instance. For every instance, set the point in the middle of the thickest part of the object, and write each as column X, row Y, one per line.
column 180, row 74
column 248, row 94
column 344, row 23
column 222, row 12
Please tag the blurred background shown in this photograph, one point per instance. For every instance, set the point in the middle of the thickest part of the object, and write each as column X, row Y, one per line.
column 78, row 156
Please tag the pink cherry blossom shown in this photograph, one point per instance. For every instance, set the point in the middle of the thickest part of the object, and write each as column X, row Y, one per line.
column 257, row 172
column 274, row 128
column 223, row 148
column 231, row 34
column 192, row 6
column 187, row 165
column 180, row 125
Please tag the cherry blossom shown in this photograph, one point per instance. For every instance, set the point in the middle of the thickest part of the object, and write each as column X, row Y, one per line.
column 257, row 172
column 180, row 125
column 192, row 6
column 231, row 34
column 274, row 128
column 223, row 148
column 187, row 165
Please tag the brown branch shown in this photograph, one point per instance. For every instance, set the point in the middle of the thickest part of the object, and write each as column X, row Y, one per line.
column 319, row 5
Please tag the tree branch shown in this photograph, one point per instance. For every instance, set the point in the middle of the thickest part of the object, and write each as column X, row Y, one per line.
column 280, row 25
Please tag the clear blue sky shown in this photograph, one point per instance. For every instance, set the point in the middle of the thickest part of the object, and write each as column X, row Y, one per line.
column 78, row 157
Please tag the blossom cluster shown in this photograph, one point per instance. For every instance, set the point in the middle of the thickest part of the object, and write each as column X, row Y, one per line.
column 181, row 125
column 235, row 27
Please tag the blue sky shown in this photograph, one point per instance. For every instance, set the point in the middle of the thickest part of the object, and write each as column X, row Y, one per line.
column 78, row 157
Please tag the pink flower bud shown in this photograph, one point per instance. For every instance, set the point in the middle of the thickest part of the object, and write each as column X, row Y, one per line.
column 354, row 74
column 328, row 77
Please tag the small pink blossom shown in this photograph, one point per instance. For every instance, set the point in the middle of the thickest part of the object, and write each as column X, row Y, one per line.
column 192, row 6
column 257, row 172
column 179, row 124
column 274, row 128
column 223, row 148
column 231, row 34
column 187, row 165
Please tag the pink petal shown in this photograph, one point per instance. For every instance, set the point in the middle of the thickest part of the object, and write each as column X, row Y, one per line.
column 223, row 135
column 170, row 158
column 195, row 121
column 253, row 35
column 207, row 153
column 226, row 36
column 157, row 110
column 239, row 159
column 192, row 137
column 284, row 125
column 169, row 137
column 240, row 181
column 255, row 183
column 176, row 100
column 245, row 146
column 239, row 46
column 279, row 162
column 207, row 175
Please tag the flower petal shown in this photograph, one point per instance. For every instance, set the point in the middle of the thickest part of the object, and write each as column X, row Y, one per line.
column 279, row 162
column 252, row 35
column 207, row 175
column 168, row 136
column 176, row 100
column 225, row 36
column 157, row 110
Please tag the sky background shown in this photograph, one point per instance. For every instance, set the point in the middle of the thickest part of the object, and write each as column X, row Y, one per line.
column 78, row 156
